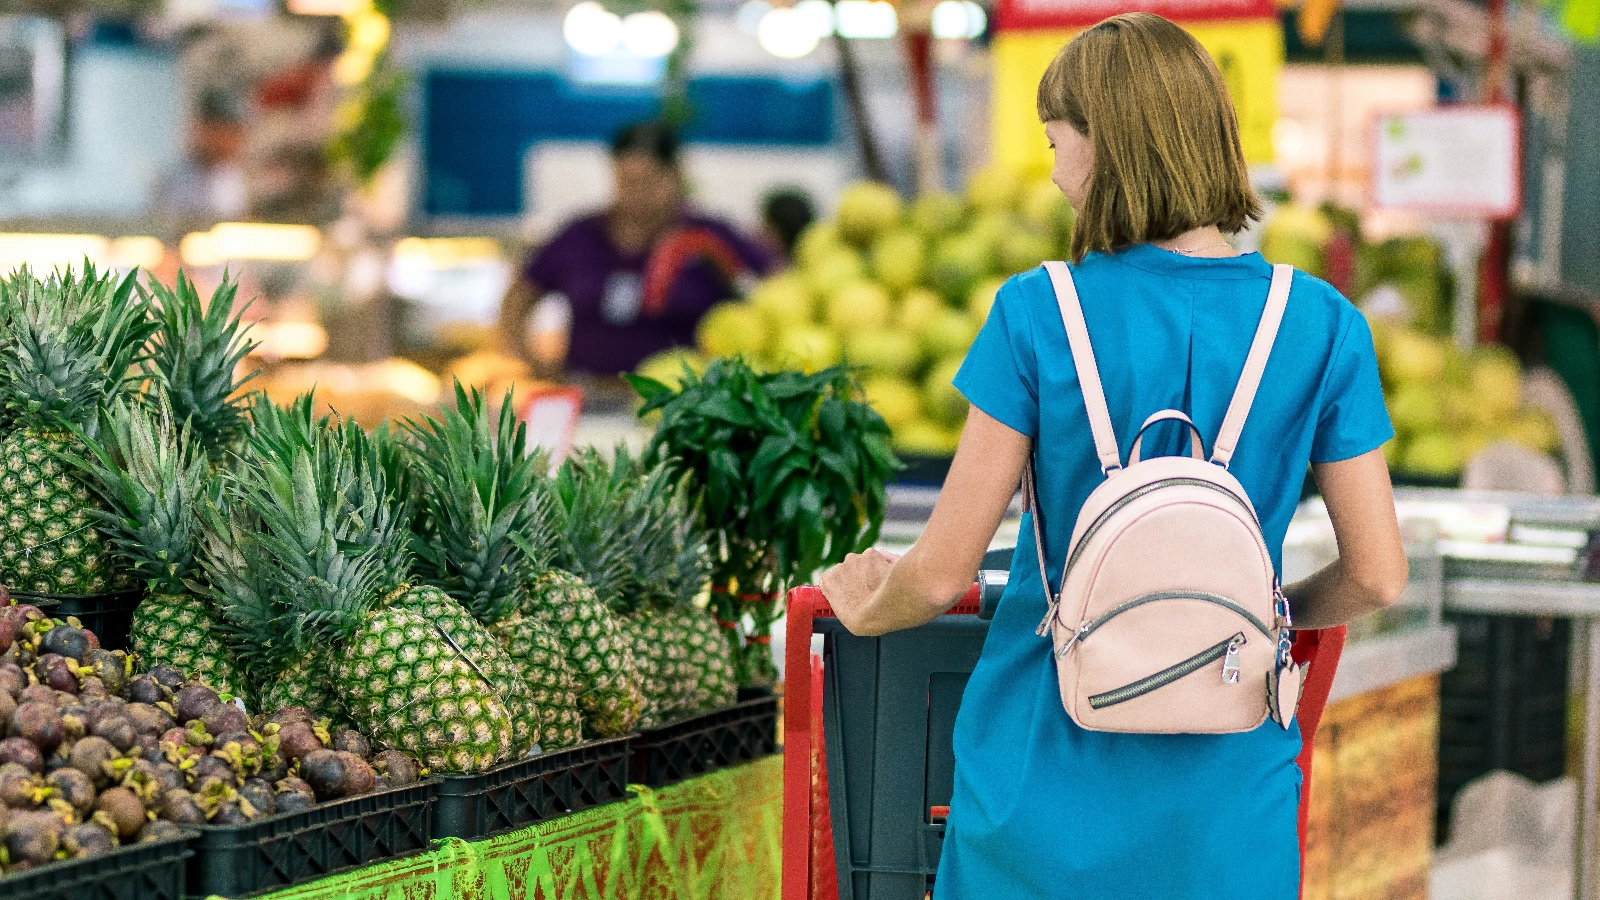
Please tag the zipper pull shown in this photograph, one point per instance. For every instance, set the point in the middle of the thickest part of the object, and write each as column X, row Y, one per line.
column 1230, row 663
column 1282, row 603
column 1080, row 634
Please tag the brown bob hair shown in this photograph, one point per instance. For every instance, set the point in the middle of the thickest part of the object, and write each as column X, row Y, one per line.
column 1166, row 139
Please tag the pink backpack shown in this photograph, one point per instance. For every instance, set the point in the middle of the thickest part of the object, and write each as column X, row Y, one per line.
column 1170, row 619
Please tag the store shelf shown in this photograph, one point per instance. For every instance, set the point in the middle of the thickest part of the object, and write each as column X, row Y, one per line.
column 1526, row 598
column 1385, row 660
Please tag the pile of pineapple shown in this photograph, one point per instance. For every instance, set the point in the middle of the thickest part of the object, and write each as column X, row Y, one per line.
column 431, row 585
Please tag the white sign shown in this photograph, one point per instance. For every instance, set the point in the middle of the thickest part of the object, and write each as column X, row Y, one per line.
column 552, row 417
column 1455, row 161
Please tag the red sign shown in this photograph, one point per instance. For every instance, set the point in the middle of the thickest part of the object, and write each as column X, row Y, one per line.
column 552, row 416
column 1011, row 15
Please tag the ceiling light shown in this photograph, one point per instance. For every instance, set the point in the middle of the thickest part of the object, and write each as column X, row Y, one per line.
column 866, row 19
column 958, row 20
column 784, row 34
column 649, row 34
column 590, row 30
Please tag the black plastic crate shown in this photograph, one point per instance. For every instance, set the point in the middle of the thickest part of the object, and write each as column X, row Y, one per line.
column 531, row 791
column 287, row 849
column 109, row 616
column 705, row 743
column 135, row 872
column 1504, row 705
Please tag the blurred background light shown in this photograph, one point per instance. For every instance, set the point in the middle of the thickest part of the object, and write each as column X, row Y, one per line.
column 590, row 30
column 872, row 19
column 958, row 20
column 649, row 34
column 784, row 34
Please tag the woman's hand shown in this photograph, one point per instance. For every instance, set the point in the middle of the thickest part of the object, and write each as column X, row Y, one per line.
column 850, row 585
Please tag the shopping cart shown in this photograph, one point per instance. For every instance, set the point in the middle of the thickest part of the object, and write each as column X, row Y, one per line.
column 868, row 761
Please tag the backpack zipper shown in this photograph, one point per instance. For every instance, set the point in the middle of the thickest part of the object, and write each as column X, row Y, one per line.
column 1088, row 628
column 1161, row 679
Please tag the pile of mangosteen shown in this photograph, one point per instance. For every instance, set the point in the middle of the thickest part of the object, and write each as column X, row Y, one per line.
column 94, row 756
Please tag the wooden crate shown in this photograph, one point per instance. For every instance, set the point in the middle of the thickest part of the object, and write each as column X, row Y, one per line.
column 1370, row 830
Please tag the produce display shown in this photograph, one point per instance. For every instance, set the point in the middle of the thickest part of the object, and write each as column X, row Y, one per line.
column 788, row 472
column 1446, row 404
column 429, row 585
column 95, row 756
column 898, row 289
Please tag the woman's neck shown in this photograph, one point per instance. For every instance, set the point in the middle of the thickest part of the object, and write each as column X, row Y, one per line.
column 636, row 235
column 1207, row 241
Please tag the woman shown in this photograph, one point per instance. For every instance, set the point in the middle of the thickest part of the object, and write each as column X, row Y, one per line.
column 1147, row 151
column 638, row 276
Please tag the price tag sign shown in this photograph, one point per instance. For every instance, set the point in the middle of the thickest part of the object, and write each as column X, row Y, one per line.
column 552, row 418
column 1455, row 161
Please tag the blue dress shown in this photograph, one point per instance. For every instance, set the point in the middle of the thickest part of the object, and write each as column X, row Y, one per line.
column 1042, row 808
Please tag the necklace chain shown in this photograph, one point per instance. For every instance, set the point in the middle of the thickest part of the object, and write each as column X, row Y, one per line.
column 1194, row 250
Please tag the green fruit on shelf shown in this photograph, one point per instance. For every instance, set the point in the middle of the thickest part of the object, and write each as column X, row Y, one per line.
column 866, row 210
column 1495, row 381
column 883, row 351
column 948, row 334
column 1413, row 357
column 1023, row 249
column 981, row 299
column 958, row 262
column 784, row 301
column 667, row 366
column 923, row 437
column 918, row 307
column 1436, row 454
column 1045, row 208
column 1416, row 408
column 938, row 213
column 732, row 329
column 858, row 306
column 897, row 400
column 898, row 260
column 1535, row 430
column 818, row 240
column 994, row 189
column 940, row 399
column 832, row 270
column 809, row 347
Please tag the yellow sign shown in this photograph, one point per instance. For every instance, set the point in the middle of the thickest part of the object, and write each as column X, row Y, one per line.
column 1249, row 53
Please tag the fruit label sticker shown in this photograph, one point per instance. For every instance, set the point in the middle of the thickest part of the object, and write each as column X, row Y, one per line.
column 552, row 417
column 1460, row 160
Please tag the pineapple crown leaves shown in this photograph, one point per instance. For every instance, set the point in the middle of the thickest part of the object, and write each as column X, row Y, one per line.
column 789, row 468
column 73, row 342
column 485, row 522
column 280, row 430
column 592, row 516
column 241, row 581
column 196, row 350
column 151, row 477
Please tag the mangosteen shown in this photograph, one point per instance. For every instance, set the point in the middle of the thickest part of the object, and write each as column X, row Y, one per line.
column 91, row 687
column 229, row 812
column 64, row 640
column 19, row 788
column 147, row 746
column 397, row 768
column 193, row 701
column 176, row 736
column 168, row 676
column 126, row 810
column 8, row 634
column 88, row 839
column 160, row 831
column 298, row 740
column 34, row 837
column 118, row 730
column 324, row 770
column 105, row 707
column 74, row 787
column 224, row 718
column 258, row 793
column 42, row 693
column 169, row 776
column 145, row 689
column 358, row 775
column 149, row 719
column 75, row 721
column 291, row 714
column 292, row 795
column 350, row 740
column 22, row 752
column 273, row 767
column 209, row 766
column 39, row 723
column 180, row 806
column 55, row 670
column 92, row 756
column 92, row 638
column 8, row 705
column 12, row 679
column 110, row 668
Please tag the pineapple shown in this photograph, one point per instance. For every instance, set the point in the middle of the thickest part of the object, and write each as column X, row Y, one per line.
column 534, row 643
column 151, row 477
column 610, row 694
column 710, row 657
column 194, row 359
column 409, row 666
column 482, row 511
column 71, row 343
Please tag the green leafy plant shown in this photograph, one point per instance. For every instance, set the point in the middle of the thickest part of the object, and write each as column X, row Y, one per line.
column 790, row 471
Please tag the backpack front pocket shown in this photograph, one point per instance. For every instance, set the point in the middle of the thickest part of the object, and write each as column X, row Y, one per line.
column 1172, row 673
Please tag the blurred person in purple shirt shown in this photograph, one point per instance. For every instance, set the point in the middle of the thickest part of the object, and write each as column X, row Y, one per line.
column 639, row 275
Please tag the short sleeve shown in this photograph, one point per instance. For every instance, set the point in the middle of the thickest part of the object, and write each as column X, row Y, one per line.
column 543, row 266
column 1000, row 374
column 1352, row 419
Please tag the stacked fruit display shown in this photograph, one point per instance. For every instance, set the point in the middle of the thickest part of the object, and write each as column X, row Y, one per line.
column 413, row 583
column 94, row 756
column 897, row 289
column 1445, row 404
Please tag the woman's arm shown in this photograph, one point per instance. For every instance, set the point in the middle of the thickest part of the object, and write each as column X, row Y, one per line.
column 514, row 310
column 873, row 593
column 1371, row 570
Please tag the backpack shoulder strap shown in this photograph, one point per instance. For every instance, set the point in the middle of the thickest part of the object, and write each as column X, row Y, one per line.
column 1094, row 396
column 1254, row 365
